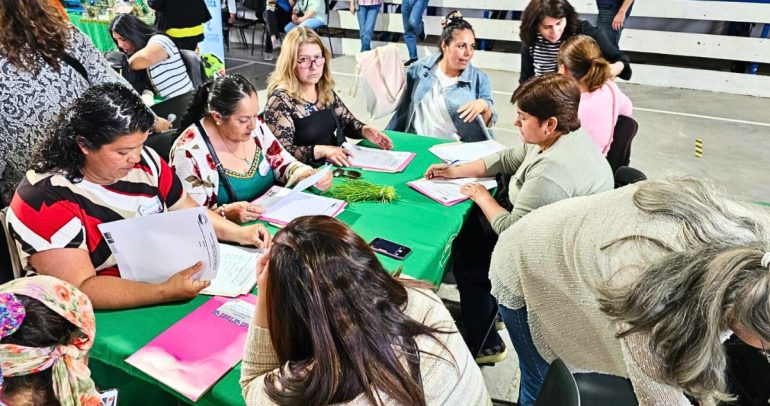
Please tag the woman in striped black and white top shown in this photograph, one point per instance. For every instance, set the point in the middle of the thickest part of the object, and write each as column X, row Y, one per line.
column 148, row 49
column 545, row 24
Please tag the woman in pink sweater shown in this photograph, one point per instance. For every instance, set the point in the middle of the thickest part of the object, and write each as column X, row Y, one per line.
column 601, row 101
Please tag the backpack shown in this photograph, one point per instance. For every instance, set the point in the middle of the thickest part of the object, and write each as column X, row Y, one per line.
column 212, row 66
column 381, row 76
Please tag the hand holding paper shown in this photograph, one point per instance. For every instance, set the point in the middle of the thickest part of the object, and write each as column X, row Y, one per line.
column 182, row 285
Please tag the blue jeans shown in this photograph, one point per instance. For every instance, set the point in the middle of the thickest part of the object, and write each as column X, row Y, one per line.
column 367, row 18
column 531, row 364
column 312, row 23
column 411, row 13
column 604, row 23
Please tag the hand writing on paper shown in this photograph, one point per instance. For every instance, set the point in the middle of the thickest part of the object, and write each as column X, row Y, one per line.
column 256, row 235
column 260, row 313
column 181, row 285
column 243, row 212
column 377, row 137
column 323, row 184
column 470, row 110
column 440, row 171
column 336, row 155
column 475, row 191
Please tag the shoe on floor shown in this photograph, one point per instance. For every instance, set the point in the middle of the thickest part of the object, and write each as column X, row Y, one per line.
column 276, row 43
column 409, row 62
column 499, row 325
column 268, row 56
column 492, row 355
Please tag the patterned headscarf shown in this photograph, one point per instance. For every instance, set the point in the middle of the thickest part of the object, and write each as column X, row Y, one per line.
column 72, row 382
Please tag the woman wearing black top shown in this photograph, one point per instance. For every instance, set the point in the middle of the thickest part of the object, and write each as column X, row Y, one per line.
column 545, row 24
column 304, row 112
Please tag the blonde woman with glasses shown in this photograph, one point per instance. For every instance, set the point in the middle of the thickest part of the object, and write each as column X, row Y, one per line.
column 303, row 111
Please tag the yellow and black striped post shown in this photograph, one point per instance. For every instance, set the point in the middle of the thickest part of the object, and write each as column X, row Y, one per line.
column 698, row 148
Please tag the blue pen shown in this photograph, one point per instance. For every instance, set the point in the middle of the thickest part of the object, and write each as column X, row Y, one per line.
column 452, row 162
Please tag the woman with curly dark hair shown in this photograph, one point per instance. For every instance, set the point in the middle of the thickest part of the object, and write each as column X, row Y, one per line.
column 331, row 326
column 92, row 169
column 545, row 24
column 45, row 63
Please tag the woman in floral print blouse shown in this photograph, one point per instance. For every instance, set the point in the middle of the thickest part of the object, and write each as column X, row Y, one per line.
column 222, row 127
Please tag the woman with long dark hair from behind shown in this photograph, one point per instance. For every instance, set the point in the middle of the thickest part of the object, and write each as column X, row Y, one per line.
column 331, row 326
column 545, row 24
column 148, row 49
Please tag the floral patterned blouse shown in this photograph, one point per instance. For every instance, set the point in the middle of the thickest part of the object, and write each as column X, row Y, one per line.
column 193, row 164
column 283, row 112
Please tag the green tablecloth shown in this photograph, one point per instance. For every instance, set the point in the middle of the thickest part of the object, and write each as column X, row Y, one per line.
column 413, row 220
column 97, row 30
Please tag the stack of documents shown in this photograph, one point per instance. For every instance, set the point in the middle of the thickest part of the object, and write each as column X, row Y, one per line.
column 465, row 151
column 195, row 352
column 283, row 205
column 155, row 247
column 377, row 159
column 447, row 191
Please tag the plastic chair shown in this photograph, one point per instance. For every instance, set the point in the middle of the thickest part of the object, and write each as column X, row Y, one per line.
column 603, row 389
column 620, row 149
column 162, row 142
column 176, row 105
column 559, row 387
column 626, row 175
column 13, row 251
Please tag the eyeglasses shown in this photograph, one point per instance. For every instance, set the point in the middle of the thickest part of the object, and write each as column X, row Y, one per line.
column 346, row 173
column 305, row 62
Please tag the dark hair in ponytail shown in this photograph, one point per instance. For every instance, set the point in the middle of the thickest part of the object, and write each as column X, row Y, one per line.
column 581, row 55
column 220, row 94
column 453, row 21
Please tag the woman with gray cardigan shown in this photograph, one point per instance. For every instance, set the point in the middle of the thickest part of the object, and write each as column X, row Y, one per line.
column 556, row 161
column 644, row 282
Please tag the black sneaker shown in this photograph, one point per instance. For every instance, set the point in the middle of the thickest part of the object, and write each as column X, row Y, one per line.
column 492, row 355
column 411, row 61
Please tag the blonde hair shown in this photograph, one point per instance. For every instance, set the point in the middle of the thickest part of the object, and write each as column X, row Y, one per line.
column 581, row 55
column 285, row 75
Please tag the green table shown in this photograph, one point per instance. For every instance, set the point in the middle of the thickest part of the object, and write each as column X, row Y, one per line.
column 414, row 220
column 97, row 30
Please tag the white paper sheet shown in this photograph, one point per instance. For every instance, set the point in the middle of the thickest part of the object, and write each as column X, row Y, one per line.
column 447, row 191
column 237, row 272
column 310, row 180
column 466, row 151
column 282, row 206
column 378, row 159
column 154, row 247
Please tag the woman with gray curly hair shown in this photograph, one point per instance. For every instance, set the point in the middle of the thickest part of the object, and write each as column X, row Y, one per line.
column 644, row 282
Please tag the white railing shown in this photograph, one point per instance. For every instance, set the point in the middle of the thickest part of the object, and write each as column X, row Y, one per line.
column 681, row 44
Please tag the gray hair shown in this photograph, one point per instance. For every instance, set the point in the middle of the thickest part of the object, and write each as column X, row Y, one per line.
column 686, row 299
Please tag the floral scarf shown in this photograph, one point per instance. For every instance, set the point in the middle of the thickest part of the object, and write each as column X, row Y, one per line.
column 72, row 382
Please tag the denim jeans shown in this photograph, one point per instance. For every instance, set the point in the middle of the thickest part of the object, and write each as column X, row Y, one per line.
column 367, row 18
column 411, row 12
column 604, row 23
column 531, row 364
column 312, row 23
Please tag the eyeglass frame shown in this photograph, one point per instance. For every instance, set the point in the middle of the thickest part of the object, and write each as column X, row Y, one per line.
column 318, row 61
column 347, row 173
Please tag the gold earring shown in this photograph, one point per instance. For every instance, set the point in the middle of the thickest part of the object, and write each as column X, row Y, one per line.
column 218, row 123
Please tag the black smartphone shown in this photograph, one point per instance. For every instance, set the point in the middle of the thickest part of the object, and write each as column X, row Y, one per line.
column 390, row 248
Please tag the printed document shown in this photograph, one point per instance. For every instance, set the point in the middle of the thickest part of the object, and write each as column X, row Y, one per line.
column 466, row 151
column 154, row 247
column 237, row 272
column 447, row 191
column 378, row 159
column 282, row 206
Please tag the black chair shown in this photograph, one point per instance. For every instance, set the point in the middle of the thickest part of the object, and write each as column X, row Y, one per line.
column 194, row 66
column 559, row 387
column 620, row 149
column 626, row 175
column 162, row 142
column 176, row 105
column 328, row 32
column 603, row 389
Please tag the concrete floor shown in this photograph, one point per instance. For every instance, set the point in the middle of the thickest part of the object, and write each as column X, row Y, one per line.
column 735, row 131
